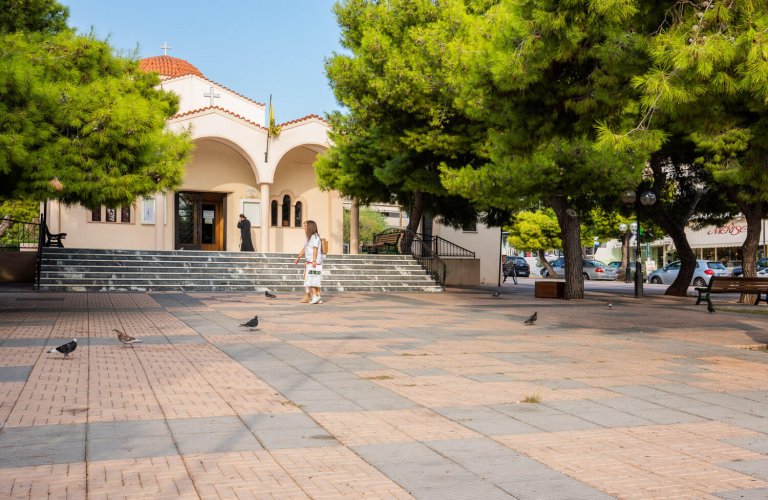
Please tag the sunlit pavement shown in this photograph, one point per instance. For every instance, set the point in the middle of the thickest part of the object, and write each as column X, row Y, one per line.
column 445, row 395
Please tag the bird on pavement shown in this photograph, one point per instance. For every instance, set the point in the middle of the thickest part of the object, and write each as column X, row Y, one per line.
column 65, row 349
column 710, row 307
column 270, row 295
column 495, row 294
column 251, row 323
column 125, row 338
column 532, row 319
column 610, row 306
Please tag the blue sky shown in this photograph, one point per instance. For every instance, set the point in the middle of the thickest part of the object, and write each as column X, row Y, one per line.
column 254, row 47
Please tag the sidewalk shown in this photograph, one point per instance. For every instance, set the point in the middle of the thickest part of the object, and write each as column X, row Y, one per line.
column 383, row 396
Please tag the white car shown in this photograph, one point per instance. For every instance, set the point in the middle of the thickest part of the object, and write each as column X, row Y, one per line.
column 591, row 269
column 704, row 271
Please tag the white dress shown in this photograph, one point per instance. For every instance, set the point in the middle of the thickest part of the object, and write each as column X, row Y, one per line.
column 313, row 275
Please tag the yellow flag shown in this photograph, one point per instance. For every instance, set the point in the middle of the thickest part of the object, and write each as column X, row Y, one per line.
column 273, row 128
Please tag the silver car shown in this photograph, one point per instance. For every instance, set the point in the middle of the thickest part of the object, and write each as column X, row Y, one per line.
column 592, row 269
column 704, row 271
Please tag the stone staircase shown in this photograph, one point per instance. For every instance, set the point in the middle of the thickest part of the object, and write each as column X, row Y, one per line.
column 74, row 269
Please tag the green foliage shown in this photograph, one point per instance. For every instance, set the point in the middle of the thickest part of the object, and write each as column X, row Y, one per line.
column 401, row 123
column 20, row 210
column 534, row 231
column 81, row 125
column 46, row 16
column 371, row 223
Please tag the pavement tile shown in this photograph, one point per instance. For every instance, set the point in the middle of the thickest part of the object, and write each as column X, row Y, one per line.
column 359, row 399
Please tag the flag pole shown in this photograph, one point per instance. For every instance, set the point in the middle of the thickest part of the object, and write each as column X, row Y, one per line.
column 269, row 128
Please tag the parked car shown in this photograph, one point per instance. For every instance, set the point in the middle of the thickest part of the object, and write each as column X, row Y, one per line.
column 592, row 269
column 521, row 267
column 616, row 264
column 704, row 271
column 762, row 264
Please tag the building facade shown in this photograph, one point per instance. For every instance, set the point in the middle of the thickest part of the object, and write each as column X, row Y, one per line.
column 237, row 167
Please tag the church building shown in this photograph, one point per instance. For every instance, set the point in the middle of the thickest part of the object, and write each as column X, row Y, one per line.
column 236, row 167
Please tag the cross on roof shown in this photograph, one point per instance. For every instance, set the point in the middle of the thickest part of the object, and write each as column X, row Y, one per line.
column 212, row 95
column 165, row 48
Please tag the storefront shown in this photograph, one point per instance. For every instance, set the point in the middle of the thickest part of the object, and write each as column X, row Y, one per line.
column 724, row 242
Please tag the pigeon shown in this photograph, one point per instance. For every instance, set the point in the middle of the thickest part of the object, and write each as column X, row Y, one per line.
column 252, row 323
column 125, row 338
column 710, row 307
column 66, row 348
column 495, row 294
column 270, row 295
column 532, row 319
column 610, row 306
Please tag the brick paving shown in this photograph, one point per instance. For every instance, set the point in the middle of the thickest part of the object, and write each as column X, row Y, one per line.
column 383, row 396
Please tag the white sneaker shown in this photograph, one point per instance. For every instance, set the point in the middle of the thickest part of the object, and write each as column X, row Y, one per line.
column 316, row 300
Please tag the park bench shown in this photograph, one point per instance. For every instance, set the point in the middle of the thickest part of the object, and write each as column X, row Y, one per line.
column 728, row 284
column 53, row 239
column 385, row 242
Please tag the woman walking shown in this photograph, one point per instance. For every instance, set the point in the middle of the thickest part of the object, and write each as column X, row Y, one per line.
column 313, row 255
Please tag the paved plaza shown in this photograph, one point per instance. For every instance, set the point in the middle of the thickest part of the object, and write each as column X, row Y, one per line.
column 427, row 396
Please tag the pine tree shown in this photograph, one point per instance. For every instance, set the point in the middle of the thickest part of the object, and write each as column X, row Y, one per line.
column 541, row 75
column 399, row 125
column 78, row 123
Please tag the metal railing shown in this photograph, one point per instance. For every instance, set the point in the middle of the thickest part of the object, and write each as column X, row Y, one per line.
column 16, row 235
column 414, row 245
column 445, row 248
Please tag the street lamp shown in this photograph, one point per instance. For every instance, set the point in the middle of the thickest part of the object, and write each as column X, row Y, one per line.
column 647, row 199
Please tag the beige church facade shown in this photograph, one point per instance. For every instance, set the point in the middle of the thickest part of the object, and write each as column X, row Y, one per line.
column 230, row 173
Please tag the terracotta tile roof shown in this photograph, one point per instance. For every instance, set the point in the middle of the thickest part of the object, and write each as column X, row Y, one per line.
column 304, row 118
column 168, row 66
column 207, row 108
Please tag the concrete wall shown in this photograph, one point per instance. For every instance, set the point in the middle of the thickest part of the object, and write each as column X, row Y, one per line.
column 485, row 242
column 17, row 267
column 462, row 272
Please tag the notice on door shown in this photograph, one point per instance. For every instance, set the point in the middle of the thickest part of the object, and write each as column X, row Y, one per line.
column 208, row 216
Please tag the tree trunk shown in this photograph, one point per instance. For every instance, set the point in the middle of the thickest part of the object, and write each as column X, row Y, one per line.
column 417, row 210
column 753, row 213
column 674, row 228
column 625, row 258
column 5, row 224
column 544, row 262
column 570, row 231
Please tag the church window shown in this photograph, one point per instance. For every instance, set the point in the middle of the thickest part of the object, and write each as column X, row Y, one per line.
column 286, row 219
column 111, row 215
column 273, row 212
column 297, row 214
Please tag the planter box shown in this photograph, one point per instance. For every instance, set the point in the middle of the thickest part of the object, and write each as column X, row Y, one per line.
column 549, row 289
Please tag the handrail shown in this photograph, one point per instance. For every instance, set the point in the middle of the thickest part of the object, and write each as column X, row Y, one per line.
column 446, row 248
column 422, row 252
column 40, row 242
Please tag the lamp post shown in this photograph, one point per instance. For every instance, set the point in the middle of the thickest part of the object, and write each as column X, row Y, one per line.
column 647, row 199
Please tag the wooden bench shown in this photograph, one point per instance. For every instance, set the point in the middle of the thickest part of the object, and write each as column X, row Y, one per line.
column 54, row 239
column 385, row 242
column 728, row 284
